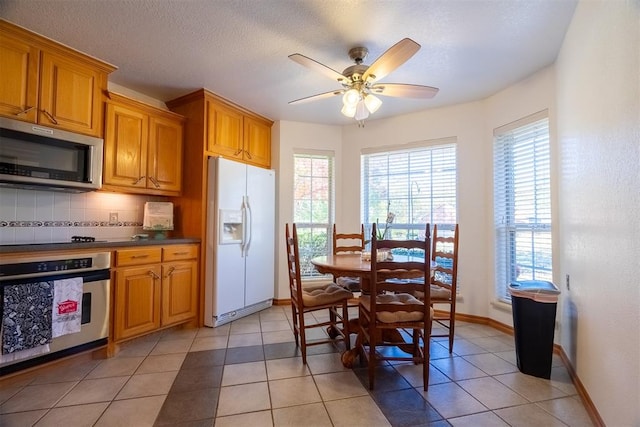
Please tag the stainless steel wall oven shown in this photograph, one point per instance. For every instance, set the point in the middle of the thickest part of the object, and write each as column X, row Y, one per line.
column 92, row 268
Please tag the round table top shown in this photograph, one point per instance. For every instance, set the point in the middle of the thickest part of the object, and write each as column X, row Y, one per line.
column 350, row 264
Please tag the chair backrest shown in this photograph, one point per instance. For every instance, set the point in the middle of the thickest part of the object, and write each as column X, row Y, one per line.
column 445, row 254
column 293, row 263
column 409, row 273
column 348, row 242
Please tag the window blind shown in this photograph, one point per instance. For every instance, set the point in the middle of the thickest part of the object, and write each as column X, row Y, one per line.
column 417, row 185
column 313, row 206
column 522, row 203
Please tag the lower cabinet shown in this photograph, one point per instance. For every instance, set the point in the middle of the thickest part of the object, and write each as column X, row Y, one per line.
column 155, row 287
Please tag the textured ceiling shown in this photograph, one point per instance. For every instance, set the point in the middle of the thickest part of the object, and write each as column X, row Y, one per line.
column 238, row 48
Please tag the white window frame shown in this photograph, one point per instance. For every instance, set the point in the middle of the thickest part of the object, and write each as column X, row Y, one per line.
column 429, row 194
column 522, row 203
column 308, row 230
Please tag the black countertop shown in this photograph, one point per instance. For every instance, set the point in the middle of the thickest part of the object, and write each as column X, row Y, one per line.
column 103, row 244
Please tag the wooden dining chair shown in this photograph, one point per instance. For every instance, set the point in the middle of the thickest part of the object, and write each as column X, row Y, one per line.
column 444, row 280
column 305, row 300
column 348, row 243
column 391, row 306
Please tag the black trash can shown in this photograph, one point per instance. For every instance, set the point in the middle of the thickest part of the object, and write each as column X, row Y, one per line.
column 534, row 304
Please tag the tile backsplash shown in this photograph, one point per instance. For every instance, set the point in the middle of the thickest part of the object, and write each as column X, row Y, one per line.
column 28, row 216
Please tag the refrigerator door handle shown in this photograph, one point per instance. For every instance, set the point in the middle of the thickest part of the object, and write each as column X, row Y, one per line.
column 243, row 245
column 248, row 224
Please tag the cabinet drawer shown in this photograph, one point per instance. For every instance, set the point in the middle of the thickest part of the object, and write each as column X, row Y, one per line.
column 138, row 256
column 178, row 252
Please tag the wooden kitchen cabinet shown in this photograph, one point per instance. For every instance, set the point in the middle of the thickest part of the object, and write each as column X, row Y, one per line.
column 257, row 142
column 226, row 129
column 179, row 283
column 143, row 148
column 155, row 287
column 50, row 84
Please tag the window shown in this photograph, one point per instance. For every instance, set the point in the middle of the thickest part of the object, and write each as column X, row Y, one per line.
column 313, row 207
column 415, row 186
column 522, row 202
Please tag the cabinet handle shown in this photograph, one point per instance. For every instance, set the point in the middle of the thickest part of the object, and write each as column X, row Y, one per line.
column 154, row 181
column 170, row 272
column 153, row 274
column 181, row 253
column 238, row 152
column 25, row 111
column 50, row 117
column 138, row 180
column 140, row 256
column 248, row 153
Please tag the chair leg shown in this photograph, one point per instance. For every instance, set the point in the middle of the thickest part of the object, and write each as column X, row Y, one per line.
column 303, row 336
column 294, row 319
column 451, row 332
column 345, row 325
column 372, row 356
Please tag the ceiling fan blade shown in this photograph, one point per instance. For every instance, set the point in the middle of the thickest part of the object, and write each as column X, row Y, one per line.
column 394, row 57
column 317, row 97
column 315, row 65
column 401, row 90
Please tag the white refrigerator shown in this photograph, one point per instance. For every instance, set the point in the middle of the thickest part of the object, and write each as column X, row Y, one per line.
column 240, row 241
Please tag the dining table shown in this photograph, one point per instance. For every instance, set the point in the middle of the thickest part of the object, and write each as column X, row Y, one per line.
column 357, row 265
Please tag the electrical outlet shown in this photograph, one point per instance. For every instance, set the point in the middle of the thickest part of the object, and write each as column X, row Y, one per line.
column 568, row 284
column 113, row 218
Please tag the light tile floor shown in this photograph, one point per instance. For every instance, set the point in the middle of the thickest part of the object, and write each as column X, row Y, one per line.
column 249, row 373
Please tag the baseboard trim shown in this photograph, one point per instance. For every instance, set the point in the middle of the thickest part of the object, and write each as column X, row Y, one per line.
column 582, row 392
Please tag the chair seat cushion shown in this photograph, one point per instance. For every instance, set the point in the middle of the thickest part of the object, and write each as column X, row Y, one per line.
column 324, row 294
column 440, row 293
column 437, row 293
column 397, row 316
column 350, row 283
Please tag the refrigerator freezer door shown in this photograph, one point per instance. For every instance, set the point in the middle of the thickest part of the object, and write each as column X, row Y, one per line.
column 224, row 288
column 260, row 249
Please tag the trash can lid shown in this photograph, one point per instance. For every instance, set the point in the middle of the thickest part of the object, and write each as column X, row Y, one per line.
column 537, row 290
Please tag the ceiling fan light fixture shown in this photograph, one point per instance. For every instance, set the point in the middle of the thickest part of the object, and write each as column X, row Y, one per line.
column 348, row 110
column 351, row 98
column 372, row 103
column 361, row 111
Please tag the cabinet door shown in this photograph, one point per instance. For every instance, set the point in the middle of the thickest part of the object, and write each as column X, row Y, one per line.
column 70, row 95
column 125, row 147
column 137, row 301
column 224, row 131
column 179, row 291
column 164, row 167
column 19, row 63
column 257, row 143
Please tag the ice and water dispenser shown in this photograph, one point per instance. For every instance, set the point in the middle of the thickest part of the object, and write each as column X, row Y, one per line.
column 230, row 226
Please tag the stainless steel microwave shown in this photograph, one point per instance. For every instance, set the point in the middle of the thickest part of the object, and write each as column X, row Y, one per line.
column 38, row 157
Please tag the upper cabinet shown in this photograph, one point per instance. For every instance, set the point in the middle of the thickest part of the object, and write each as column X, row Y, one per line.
column 50, row 84
column 143, row 148
column 226, row 129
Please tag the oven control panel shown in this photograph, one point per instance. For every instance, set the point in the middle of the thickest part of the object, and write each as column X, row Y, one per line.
column 40, row 266
column 45, row 266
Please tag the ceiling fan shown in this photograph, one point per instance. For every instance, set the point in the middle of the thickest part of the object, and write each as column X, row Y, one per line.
column 359, row 81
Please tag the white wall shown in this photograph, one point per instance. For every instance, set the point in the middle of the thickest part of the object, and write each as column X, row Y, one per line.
column 287, row 137
column 598, row 99
column 533, row 94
